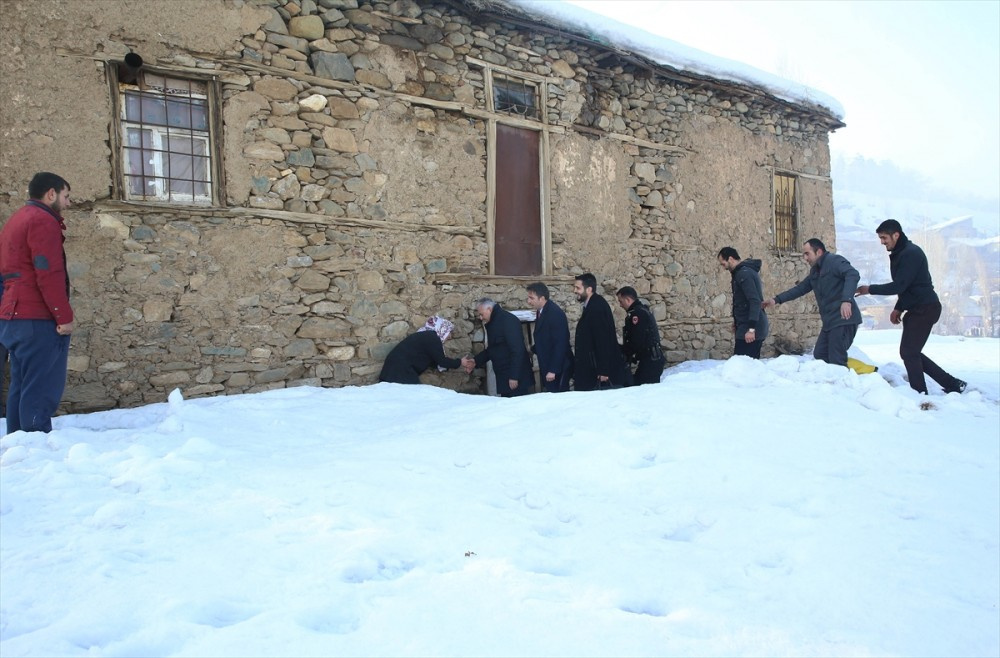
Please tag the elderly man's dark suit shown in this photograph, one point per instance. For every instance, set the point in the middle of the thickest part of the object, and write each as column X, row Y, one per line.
column 507, row 352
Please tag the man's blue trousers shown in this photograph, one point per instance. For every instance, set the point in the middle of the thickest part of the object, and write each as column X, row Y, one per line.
column 38, row 358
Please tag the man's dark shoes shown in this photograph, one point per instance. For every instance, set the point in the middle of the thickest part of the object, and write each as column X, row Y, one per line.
column 959, row 387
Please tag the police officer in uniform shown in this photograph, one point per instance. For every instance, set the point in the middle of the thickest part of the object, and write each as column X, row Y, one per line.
column 640, row 338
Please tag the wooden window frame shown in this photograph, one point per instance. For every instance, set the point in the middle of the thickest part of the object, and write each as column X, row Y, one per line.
column 785, row 223
column 159, row 175
column 541, row 124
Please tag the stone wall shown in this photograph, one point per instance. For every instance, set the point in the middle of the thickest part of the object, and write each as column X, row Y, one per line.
column 355, row 151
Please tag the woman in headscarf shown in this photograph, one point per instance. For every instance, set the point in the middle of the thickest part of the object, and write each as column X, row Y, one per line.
column 418, row 352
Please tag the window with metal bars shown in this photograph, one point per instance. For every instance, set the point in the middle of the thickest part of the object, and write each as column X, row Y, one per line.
column 515, row 97
column 166, row 140
column 786, row 213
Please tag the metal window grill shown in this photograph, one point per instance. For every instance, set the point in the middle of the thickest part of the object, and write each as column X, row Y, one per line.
column 166, row 140
column 785, row 212
column 515, row 97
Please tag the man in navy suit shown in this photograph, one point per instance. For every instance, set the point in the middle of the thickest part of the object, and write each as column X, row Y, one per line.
column 551, row 340
column 599, row 362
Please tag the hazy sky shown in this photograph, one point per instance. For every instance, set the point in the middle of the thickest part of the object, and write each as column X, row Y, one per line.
column 919, row 81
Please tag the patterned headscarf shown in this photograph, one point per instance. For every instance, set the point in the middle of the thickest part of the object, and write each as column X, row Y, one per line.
column 438, row 325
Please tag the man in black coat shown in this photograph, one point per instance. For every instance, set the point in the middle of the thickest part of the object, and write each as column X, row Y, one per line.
column 418, row 352
column 505, row 348
column 640, row 339
column 599, row 362
column 917, row 307
column 551, row 340
column 750, row 325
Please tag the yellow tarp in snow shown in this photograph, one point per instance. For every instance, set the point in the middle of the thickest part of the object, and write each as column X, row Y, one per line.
column 861, row 367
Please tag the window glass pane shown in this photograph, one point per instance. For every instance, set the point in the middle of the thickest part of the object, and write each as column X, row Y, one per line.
column 139, row 170
column 187, row 113
column 142, row 108
column 187, row 166
column 515, row 97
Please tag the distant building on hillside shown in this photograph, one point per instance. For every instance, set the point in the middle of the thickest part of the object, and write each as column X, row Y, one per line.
column 274, row 193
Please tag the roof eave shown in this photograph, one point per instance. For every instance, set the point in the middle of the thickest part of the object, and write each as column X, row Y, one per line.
column 500, row 10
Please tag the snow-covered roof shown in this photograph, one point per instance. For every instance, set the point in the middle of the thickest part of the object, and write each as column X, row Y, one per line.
column 978, row 242
column 662, row 52
column 950, row 222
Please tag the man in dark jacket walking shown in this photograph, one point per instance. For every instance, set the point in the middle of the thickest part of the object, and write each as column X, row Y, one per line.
column 599, row 362
column 505, row 348
column 917, row 306
column 640, row 339
column 750, row 326
column 36, row 319
column 551, row 340
column 834, row 281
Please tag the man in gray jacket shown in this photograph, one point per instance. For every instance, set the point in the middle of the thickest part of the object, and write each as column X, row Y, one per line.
column 834, row 281
column 749, row 319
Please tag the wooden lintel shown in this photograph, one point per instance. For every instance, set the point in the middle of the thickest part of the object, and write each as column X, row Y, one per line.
column 792, row 172
column 683, row 321
column 477, row 277
column 220, row 74
column 353, row 86
column 519, row 49
column 511, row 120
column 280, row 215
column 534, row 77
column 650, row 243
column 360, row 222
column 644, row 143
column 398, row 19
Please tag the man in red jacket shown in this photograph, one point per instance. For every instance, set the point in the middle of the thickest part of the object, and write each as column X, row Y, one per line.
column 36, row 319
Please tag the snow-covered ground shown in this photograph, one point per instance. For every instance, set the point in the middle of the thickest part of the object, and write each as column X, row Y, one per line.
column 780, row 507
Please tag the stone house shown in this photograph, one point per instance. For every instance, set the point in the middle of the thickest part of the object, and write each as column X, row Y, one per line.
column 271, row 193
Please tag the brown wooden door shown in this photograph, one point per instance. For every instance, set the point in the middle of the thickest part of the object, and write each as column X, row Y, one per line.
column 518, row 222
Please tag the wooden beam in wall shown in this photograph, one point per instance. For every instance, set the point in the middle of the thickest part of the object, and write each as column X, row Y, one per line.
column 644, row 143
column 236, row 212
column 445, row 278
column 791, row 172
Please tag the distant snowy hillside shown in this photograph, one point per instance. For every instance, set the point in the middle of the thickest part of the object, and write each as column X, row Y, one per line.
column 866, row 192
column 858, row 213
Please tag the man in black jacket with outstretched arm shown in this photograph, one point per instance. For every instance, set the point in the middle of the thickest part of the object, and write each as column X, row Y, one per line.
column 505, row 348
column 917, row 306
